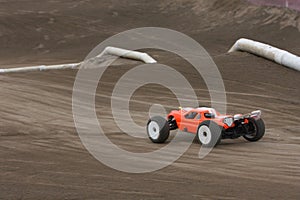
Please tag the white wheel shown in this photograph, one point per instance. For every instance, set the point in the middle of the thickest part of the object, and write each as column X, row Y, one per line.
column 158, row 129
column 204, row 135
column 209, row 134
column 153, row 130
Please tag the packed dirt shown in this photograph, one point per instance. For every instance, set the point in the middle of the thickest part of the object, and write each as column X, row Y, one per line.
column 41, row 155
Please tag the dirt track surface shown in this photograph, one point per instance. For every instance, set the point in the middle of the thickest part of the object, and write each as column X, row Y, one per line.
column 41, row 156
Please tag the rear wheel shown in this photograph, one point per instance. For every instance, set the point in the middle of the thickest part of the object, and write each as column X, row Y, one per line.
column 209, row 134
column 158, row 129
column 256, row 129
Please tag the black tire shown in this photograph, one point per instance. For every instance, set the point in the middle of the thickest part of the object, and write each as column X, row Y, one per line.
column 258, row 128
column 209, row 134
column 158, row 129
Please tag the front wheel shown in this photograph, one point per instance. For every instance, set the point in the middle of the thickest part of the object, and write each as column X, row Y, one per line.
column 158, row 129
column 209, row 134
column 256, row 129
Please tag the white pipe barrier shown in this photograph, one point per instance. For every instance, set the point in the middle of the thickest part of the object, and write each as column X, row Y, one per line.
column 128, row 54
column 264, row 50
column 107, row 51
column 39, row 68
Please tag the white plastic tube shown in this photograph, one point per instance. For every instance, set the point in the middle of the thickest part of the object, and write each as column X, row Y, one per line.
column 264, row 50
column 128, row 54
column 108, row 50
column 39, row 68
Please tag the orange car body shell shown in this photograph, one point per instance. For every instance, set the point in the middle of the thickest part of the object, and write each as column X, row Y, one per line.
column 191, row 124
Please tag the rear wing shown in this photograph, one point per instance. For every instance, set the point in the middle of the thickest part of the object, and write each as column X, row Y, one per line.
column 254, row 114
